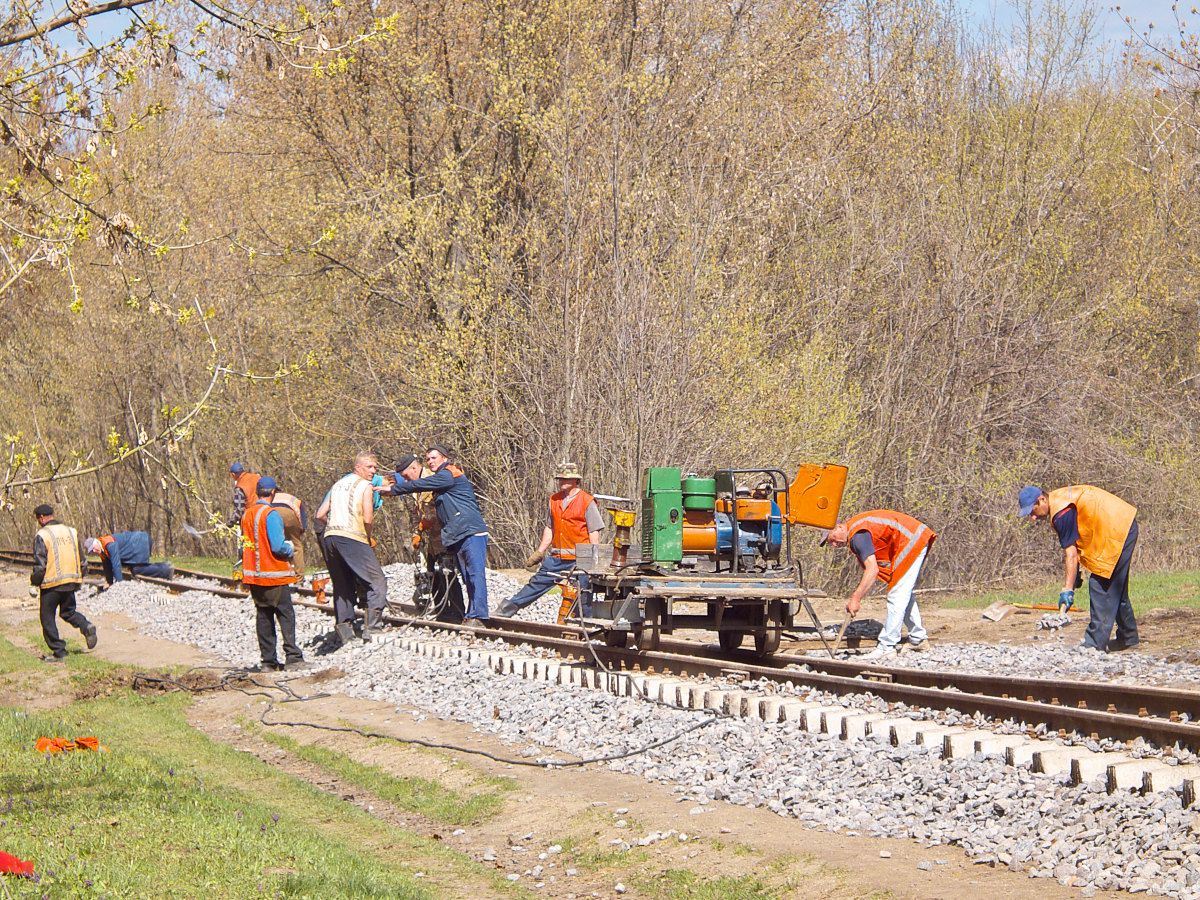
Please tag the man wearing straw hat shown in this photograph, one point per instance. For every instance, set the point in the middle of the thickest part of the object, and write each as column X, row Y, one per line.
column 572, row 518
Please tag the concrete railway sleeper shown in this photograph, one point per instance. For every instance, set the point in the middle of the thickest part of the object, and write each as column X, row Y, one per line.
column 1119, row 771
column 1161, row 716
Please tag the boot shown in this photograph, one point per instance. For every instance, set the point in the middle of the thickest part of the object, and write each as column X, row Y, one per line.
column 373, row 623
column 345, row 632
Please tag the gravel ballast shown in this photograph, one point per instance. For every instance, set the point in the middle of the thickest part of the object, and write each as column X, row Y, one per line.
column 1079, row 835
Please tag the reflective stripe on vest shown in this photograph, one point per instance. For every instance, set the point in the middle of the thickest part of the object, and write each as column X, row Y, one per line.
column 345, row 509
column 259, row 564
column 291, row 501
column 1104, row 521
column 568, row 527
column 898, row 540
column 63, row 565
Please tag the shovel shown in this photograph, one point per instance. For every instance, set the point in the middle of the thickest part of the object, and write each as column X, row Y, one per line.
column 997, row 611
column 841, row 633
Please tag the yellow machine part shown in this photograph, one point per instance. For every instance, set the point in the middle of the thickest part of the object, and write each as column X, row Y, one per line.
column 815, row 496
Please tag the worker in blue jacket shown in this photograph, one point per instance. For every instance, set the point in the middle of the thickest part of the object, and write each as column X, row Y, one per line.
column 464, row 533
column 127, row 548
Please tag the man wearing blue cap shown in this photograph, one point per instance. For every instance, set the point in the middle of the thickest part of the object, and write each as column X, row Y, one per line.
column 269, row 570
column 1099, row 530
column 245, row 486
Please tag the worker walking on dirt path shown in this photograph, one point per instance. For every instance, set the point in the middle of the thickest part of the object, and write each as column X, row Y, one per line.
column 892, row 547
column 59, row 564
column 572, row 518
column 464, row 532
column 127, row 548
column 245, row 486
column 348, row 517
column 268, row 571
column 1099, row 530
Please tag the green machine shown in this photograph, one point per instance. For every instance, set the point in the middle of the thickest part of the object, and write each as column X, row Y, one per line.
column 662, row 515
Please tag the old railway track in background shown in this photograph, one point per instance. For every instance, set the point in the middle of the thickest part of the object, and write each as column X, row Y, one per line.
column 1159, row 715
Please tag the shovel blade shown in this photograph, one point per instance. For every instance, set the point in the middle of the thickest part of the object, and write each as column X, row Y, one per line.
column 997, row 611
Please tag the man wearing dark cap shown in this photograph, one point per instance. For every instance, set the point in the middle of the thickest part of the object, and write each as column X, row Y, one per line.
column 268, row 570
column 439, row 590
column 463, row 530
column 1099, row 530
column 244, row 490
column 59, row 564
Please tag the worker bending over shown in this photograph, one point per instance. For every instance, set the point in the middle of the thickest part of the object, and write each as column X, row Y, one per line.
column 463, row 530
column 59, row 564
column 348, row 516
column 892, row 547
column 1100, row 530
column 127, row 548
column 268, row 570
column 572, row 518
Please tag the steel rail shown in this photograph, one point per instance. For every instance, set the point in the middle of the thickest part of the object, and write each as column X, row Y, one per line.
column 1124, row 712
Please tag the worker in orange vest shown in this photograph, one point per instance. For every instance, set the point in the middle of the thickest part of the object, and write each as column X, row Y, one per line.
column 59, row 564
column 244, row 490
column 892, row 547
column 1099, row 530
column 572, row 518
column 268, row 570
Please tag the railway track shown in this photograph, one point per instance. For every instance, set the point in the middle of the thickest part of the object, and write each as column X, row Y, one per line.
column 1159, row 715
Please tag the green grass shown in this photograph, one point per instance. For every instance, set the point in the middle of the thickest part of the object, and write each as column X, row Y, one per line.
column 167, row 812
column 211, row 565
column 422, row 796
column 679, row 883
column 13, row 659
column 1147, row 590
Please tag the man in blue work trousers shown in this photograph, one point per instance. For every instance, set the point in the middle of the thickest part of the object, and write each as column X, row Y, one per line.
column 464, row 533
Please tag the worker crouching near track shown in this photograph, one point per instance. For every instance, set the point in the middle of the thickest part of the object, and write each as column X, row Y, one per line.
column 348, row 514
column 268, row 571
column 59, row 564
column 126, row 548
column 464, row 532
column 572, row 518
column 1100, row 530
column 892, row 547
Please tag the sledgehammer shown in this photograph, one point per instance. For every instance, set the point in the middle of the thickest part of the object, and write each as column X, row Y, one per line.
column 841, row 633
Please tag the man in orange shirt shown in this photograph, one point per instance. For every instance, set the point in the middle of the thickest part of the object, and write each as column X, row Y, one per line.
column 572, row 518
column 892, row 547
column 1099, row 530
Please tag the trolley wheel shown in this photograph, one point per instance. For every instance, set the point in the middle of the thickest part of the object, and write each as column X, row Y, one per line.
column 614, row 638
column 648, row 633
column 730, row 640
column 767, row 640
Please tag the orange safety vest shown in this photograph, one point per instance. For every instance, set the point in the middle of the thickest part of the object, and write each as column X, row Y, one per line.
column 1104, row 520
column 259, row 564
column 291, row 501
column 568, row 527
column 105, row 540
column 899, row 540
column 248, row 482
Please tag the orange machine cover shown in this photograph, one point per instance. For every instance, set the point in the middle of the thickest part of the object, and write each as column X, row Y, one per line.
column 815, row 496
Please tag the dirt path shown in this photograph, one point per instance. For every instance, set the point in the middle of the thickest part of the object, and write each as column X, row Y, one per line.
column 581, row 810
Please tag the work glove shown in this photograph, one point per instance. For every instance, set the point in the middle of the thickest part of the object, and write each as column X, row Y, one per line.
column 34, row 590
column 416, row 541
column 1065, row 601
column 534, row 559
